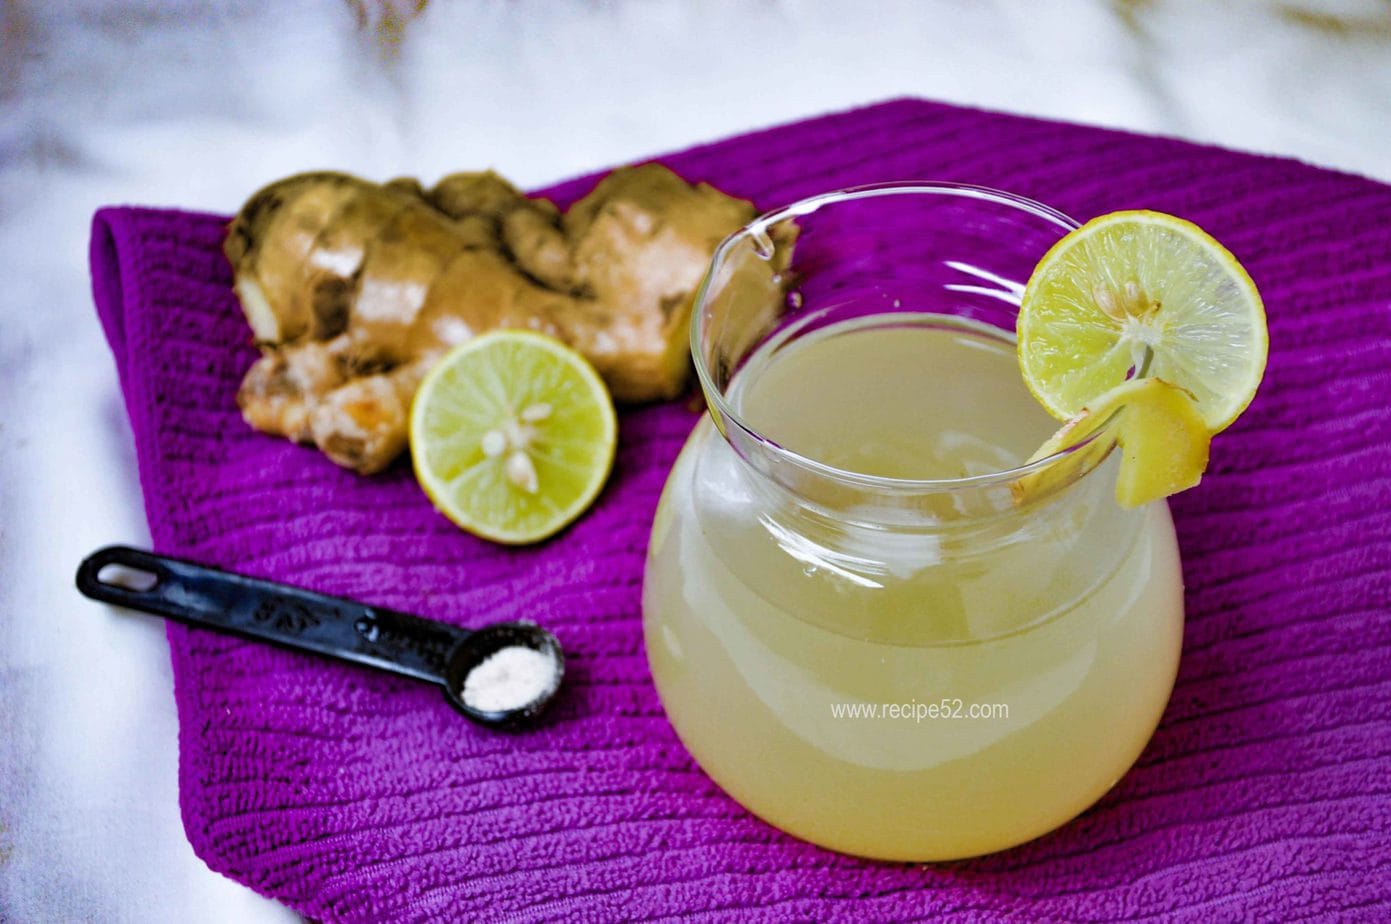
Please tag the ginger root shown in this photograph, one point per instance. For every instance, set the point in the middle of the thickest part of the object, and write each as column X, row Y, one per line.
column 352, row 289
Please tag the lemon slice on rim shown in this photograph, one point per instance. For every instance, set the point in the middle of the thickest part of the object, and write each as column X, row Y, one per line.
column 1147, row 294
column 512, row 435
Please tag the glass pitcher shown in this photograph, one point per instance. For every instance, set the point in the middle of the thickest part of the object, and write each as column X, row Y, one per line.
column 868, row 620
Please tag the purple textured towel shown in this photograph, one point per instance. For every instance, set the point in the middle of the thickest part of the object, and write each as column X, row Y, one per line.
column 351, row 795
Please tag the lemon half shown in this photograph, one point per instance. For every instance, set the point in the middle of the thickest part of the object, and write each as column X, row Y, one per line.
column 512, row 435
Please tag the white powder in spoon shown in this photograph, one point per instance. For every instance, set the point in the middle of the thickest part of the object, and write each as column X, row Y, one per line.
column 509, row 678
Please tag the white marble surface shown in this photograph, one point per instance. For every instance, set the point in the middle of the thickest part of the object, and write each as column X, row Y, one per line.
column 197, row 103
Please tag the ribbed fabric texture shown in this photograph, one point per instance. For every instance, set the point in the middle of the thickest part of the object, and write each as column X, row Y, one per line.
column 354, row 796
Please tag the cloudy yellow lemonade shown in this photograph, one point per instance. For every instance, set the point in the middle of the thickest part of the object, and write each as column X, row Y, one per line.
column 1047, row 639
column 890, row 606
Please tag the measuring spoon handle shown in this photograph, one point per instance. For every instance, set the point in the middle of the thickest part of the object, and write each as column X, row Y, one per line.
column 289, row 616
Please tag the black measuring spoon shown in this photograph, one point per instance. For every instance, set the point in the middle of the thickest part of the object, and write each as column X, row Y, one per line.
column 344, row 629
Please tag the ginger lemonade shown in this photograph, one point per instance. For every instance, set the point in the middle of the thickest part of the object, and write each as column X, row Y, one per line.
column 907, row 691
column 858, row 625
